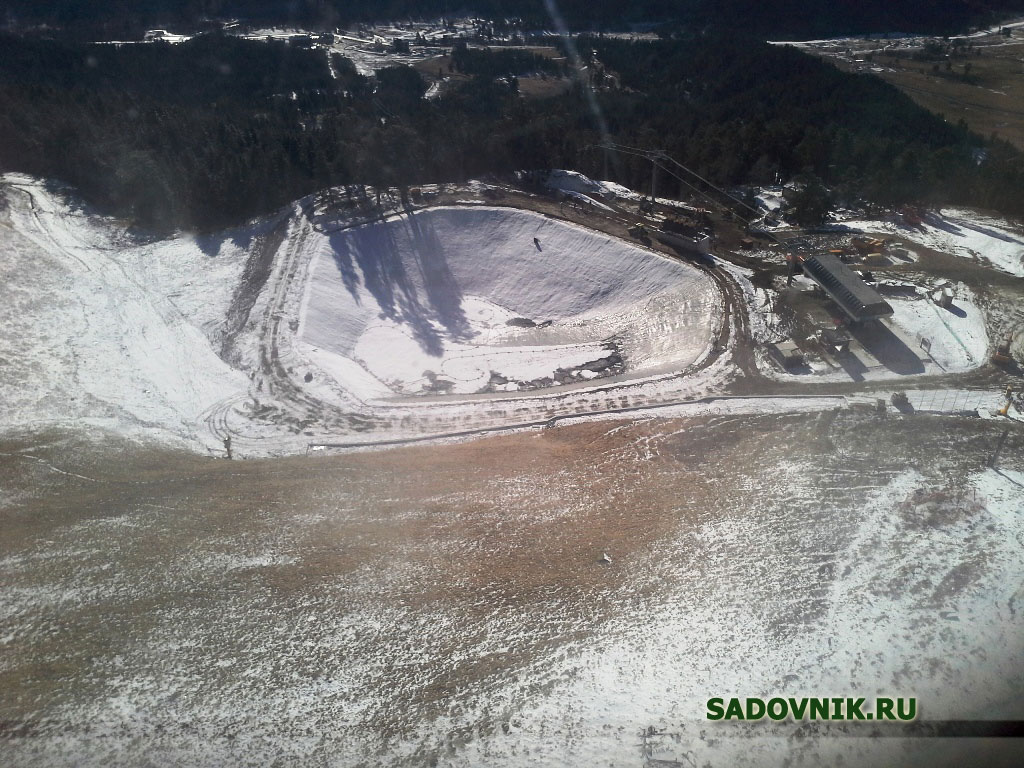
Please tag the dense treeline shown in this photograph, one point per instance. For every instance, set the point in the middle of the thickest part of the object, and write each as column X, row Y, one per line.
column 230, row 128
column 738, row 113
column 797, row 18
column 211, row 67
column 215, row 130
column 191, row 135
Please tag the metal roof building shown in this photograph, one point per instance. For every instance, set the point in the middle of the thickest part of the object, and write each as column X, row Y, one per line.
column 855, row 297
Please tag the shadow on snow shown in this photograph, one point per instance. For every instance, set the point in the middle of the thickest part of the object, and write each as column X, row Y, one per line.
column 419, row 292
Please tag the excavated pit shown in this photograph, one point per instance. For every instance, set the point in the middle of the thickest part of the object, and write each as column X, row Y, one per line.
column 464, row 300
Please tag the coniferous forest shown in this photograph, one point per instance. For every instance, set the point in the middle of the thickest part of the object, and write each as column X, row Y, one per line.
column 220, row 129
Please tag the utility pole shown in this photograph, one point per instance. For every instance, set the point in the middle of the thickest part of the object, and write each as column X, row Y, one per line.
column 654, row 175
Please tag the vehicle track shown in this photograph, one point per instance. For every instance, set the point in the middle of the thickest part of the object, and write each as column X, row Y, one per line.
column 278, row 397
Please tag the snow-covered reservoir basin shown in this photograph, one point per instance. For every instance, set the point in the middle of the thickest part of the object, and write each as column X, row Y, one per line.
column 423, row 302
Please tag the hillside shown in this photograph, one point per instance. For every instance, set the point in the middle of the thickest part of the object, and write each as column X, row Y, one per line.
column 975, row 79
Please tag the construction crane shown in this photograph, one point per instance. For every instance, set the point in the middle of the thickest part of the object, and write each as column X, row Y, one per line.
column 662, row 161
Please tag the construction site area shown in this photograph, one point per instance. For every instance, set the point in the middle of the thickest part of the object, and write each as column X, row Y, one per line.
column 523, row 471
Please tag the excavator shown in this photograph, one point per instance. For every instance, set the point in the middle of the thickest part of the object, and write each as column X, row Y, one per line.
column 1002, row 356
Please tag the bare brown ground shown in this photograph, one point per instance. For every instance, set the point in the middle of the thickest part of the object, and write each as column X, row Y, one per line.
column 514, row 519
column 464, row 545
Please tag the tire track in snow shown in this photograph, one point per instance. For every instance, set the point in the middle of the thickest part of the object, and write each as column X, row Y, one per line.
column 502, row 412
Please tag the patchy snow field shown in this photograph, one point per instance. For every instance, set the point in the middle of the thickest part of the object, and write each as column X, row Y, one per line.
column 449, row 605
column 871, row 635
column 455, row 299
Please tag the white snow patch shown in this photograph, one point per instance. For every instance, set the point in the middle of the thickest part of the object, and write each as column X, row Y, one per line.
column 431, row 295
column 104, row 331
column 237, row 562
column 582, row 187
column 575, row 183
column 770, row 199
column 958, row 338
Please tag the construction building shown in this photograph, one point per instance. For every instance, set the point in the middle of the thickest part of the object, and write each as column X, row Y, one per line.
column 858, row 300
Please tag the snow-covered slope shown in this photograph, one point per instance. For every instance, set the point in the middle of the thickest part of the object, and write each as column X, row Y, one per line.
column 102, row 329
column 457, row 299
column 108, row 328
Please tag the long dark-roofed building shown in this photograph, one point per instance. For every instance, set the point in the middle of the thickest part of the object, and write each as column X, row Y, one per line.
column 855, row 297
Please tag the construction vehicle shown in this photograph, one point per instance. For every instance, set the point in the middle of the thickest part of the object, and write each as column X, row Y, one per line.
column 789, row 354
column 638, row 231
column 912, row 215
column 641, row 233
column 1005, row 410
column 834, row 341
column 868, row 246
column 1002, row 354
